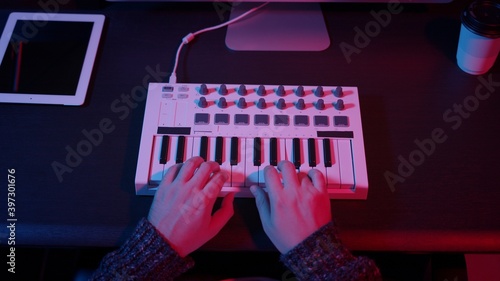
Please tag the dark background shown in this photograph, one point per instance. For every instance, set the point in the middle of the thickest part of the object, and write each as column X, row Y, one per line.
column 407, row 78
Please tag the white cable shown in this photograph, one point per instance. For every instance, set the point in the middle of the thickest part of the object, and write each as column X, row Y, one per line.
column 188, row 38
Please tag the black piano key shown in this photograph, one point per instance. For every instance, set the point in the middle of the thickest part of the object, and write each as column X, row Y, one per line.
column 165, row 142
column 204, row 148
column 234, row 151
column 327, row 153
column 311, row 151
column 219, row 149
column 181, row 145
column 296, row 153
column 273, row 150
column 257, row 159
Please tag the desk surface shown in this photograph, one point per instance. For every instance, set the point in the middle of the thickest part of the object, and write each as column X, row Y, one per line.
column 409, row 87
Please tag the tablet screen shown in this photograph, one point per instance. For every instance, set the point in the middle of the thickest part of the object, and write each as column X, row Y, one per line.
column 48, row 58
column 49, row 61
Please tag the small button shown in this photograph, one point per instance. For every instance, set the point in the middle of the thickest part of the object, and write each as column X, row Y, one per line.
column 201, row 119
column 321, row 121
column 261, row 120
column 221, row 119
column 241, row 119
column 340, row 121
column 301, row 120
column 281, row 120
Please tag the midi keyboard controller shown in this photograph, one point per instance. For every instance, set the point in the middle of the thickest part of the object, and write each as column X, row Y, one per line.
column 245, row 127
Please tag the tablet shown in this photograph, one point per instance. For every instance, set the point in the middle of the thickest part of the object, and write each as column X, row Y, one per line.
column 48, row 58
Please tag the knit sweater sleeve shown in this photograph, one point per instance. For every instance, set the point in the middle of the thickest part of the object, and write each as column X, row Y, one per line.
column 322, row 256
column 146, row 255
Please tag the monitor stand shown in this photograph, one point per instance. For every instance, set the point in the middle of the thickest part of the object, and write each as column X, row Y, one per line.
column 278, row 27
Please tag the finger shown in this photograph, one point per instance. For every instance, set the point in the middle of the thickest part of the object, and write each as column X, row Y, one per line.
column 204, row 172
column 273, row 182
column 262, row 203
column 214, row 186
column 171, row 174
column 188, row 168
column 304, row 179
column 222, row 215
column 289, row 174
column 318, row 180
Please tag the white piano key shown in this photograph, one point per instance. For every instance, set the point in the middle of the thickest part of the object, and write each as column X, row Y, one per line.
column 346, row 164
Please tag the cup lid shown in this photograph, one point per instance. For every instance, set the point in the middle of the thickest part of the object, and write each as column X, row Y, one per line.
column 483, row 17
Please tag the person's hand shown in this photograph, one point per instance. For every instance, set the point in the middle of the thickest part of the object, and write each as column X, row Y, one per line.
column 294, row 209
column 183, row 204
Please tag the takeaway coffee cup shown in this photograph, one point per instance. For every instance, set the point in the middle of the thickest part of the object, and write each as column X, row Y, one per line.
column 479, row 41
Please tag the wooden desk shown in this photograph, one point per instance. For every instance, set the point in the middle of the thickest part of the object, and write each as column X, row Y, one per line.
column 409, row 84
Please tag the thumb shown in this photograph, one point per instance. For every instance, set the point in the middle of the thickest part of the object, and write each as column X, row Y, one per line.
column 262, row 202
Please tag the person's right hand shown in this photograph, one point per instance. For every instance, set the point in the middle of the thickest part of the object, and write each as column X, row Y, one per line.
column 292, row 210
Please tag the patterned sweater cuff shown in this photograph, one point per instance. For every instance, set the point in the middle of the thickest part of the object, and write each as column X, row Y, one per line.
column 146, row 255
column 322, row 256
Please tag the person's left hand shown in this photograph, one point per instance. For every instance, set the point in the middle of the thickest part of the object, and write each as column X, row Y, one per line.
column 183, row 204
